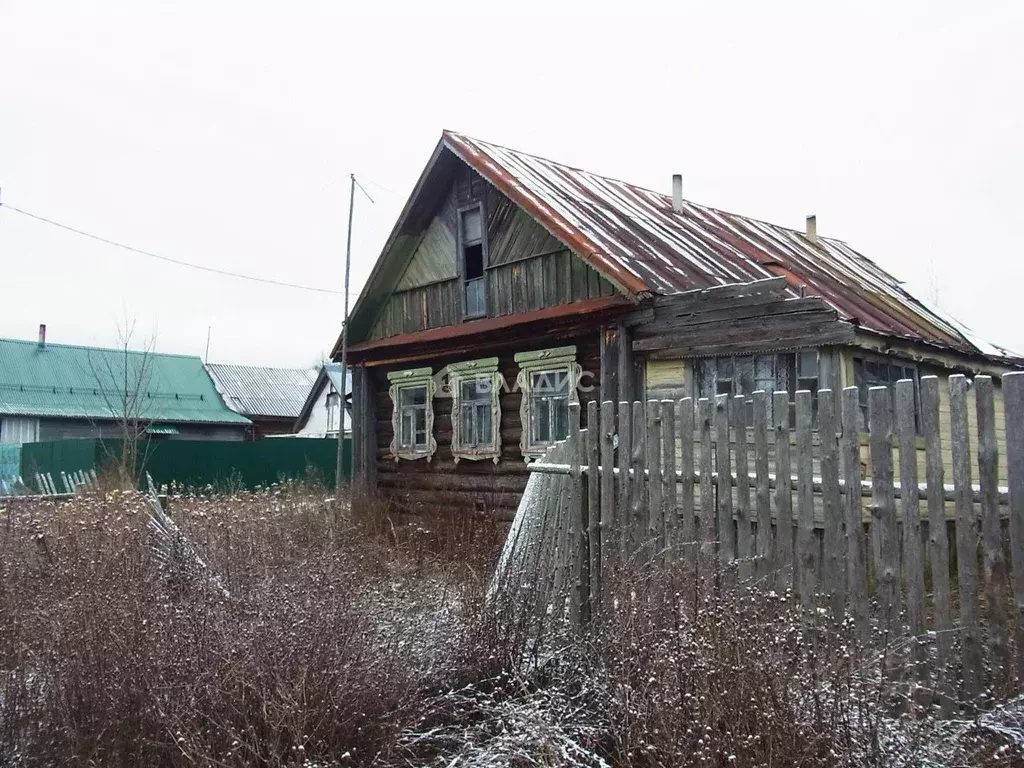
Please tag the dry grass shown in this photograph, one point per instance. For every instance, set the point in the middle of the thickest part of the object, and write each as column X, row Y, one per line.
column 350, row 637
column 318, row 651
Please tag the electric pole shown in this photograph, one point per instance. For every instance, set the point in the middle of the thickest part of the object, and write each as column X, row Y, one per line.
column 344, row 346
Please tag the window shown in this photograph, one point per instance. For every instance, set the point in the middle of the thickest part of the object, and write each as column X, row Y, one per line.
column 471, row 244
column 547, row 380
column 746, row 374
column 333, row 410
column 412, row 419
column 475, row 387
column 871, row 372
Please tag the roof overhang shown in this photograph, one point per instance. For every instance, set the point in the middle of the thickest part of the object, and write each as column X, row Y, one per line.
column 421, row 344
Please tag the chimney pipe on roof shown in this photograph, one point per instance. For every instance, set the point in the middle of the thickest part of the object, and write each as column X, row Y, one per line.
column 677, row 192
column 42, row 335
column 812, row 228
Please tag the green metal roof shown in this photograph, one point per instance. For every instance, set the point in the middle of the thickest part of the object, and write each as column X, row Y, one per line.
column 65, row 381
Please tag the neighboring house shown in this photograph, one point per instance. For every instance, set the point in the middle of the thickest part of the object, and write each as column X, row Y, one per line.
column 512, row 286
column 319, row 414
column 55, row 391
column 271, row 398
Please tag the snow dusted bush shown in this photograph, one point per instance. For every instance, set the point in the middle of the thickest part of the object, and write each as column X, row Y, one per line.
column 354, row 638
column 322, row 641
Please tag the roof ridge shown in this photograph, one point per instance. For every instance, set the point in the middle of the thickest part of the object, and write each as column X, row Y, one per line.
column 618, row 180
column 264, row 367
column 61, row 345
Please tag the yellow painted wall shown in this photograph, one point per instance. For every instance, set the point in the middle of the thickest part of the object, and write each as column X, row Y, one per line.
column 667, row 379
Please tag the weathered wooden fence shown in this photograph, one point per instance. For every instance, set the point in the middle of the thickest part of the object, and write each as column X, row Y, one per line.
column 42, row 484
column 941, row 564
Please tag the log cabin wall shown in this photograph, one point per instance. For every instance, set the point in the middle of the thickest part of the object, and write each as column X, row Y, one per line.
column 472, row 486
column 526, row 267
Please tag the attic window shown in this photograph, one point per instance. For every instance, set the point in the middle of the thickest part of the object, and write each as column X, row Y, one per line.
column 472, row 260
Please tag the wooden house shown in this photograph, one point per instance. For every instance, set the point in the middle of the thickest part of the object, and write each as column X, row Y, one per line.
column 512, row 285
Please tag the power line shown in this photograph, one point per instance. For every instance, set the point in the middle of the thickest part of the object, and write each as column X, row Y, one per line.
column 381, row 187
column 179, row 262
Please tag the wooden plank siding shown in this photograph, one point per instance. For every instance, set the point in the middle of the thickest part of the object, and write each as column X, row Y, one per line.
column 527, row 268
column 472, row 486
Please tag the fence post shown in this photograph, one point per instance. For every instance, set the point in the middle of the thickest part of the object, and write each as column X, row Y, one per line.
column 637, row 524
column 856, row 571
column 744, row 543
column 577, row 554
column 726, row 548
column 883, row 507
column 623, row 521
column 670, row 523
column 995, row 563
column 910, row 501
column 655, row 515
column 765, row 539
column 966, row 538
column 707, row 492
column 833, row 569
column 609, row 520
column 686, row 515
column 1013, row 399
column 593, row 511
column 938, row 540
column 783, row 492
column 806, row 560
column 558, row 562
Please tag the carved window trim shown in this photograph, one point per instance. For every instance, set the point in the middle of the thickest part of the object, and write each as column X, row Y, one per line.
column 409, row 379
column 486, row 370
column 555, row 360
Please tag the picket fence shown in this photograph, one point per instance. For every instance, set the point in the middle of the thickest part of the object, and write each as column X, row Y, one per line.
column 855, row 547
column 44, row 485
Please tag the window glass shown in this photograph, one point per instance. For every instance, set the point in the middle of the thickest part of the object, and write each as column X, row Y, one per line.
column 746, row 374
column 476, row 397
column 475, row 297
column 412, row 416
column 870, row 373
column 549, row 395
column 483, row 424
column 472, row 226
column 807, row 363
column 764, row 373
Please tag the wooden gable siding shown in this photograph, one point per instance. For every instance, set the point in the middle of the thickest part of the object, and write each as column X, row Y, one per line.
column 433, row 261
column 468, row 486
column 527, row 268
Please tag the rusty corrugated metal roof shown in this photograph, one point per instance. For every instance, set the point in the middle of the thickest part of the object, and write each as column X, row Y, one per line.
column 633, row 236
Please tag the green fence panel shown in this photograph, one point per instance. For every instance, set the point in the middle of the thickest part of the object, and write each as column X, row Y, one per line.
column 223, row 464
column 58, row 456
column 227, row 465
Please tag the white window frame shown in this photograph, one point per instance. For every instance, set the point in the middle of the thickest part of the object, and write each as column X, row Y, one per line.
column 475, row 370
column 556, row 360
column 409, row 379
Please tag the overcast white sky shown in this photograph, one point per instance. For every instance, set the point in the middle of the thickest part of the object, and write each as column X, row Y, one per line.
column 222, row 133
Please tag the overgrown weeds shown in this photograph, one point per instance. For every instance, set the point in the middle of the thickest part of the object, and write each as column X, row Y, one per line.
column 353, row 637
